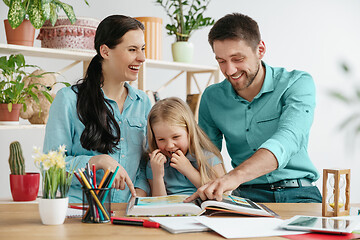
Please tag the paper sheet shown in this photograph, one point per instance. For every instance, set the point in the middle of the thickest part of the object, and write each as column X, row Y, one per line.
column 180, row 224
column 246, row 227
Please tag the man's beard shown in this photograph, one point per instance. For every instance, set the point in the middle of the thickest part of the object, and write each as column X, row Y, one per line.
column 250, row 80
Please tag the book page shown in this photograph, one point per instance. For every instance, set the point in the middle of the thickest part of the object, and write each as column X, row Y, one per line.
column 235, row 205
column 163, row 200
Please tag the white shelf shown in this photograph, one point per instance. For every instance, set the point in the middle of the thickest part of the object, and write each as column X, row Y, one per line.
column 77, row 55
column 190, row 70
column 87, row 55
column 22, row 126
column 187, row 67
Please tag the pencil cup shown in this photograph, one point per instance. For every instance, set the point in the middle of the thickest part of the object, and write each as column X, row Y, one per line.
column 96, row 205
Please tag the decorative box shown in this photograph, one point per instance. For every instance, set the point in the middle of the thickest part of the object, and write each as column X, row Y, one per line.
column 63, row 34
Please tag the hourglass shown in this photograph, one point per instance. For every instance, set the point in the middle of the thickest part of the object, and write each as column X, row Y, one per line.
column 336, row 192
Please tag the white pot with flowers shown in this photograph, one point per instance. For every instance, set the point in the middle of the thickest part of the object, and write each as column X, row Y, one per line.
column 56, row 182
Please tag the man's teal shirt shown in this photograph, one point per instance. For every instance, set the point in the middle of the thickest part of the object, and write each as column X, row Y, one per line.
column 279, row 119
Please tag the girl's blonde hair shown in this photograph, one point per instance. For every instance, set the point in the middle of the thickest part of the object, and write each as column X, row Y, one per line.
column 176, row 112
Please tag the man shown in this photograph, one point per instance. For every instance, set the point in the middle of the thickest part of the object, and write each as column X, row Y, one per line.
column 265, row 115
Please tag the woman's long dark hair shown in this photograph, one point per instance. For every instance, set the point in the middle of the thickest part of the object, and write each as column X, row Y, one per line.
column 102, row 132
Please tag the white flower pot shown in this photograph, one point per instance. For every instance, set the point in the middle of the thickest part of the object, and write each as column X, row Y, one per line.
column 182, row 52
column 53, row 211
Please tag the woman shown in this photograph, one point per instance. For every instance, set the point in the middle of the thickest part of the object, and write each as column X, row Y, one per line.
column 102, row 119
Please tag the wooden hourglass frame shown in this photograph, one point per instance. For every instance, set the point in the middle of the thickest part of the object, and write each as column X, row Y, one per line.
column 336, row 192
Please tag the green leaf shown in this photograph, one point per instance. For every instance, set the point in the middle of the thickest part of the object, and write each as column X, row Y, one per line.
column 339, row 96
column 46, row 10
column 357, row 91
column 48, row 96
column 16, row 14
column 7, row 2
column 349, row 120
column 9, row 106
column 53, row 14
column 19, row 59
column 68, row 10
column 345, row 67
column 35, row 13
column 11, row 63
column 35, row 97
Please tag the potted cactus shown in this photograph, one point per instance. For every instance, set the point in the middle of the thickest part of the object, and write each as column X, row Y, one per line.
column 24, row 186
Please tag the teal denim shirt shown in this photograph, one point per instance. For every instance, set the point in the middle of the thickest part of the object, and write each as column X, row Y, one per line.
column 176, row 182
column 278, row 119
column 65, row 128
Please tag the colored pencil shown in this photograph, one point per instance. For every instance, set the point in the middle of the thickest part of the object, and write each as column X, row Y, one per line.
column 110, row 183
column 94, row 175
column 94, row 195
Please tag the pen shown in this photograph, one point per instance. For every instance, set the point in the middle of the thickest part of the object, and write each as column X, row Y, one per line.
column 78, row 207
column 134, row 222
column 94, row 175
column 77, row 176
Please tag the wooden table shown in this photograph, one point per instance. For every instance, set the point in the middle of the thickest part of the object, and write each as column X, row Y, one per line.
column 22, row 221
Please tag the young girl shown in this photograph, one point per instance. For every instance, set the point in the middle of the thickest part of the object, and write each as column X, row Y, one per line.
column 182, row 157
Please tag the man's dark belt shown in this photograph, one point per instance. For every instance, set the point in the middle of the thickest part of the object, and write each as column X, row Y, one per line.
column 289, row 183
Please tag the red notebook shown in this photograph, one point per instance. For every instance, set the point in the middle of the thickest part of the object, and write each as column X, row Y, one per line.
column 322, row 236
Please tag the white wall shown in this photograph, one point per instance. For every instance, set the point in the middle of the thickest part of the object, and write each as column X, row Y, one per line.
column 315, row 36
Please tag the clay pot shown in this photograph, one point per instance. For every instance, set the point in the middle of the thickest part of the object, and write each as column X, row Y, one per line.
column 9, row 118
column 22, row 35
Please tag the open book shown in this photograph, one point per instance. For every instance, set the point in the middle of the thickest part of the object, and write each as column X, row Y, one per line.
column 173, row 205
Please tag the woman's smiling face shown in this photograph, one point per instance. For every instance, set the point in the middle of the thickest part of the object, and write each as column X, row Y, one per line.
column 125, row 60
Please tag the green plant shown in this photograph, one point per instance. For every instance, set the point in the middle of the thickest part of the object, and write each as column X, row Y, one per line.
column 351, row 124
column 12, row 86
column 16, row 159
column 37, row 11
column 185, row 17
column 55, row 178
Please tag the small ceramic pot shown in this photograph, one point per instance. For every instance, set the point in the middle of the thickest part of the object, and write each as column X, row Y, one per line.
column 9, row 118
column 53, row 211
column 24, row 187
column 22, row 35
column 182, row 52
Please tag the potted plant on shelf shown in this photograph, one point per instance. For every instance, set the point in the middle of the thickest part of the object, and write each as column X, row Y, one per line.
column 185, row 18
column 56, row 182
column 26, row 15
column 14, row 92
column 24, row 186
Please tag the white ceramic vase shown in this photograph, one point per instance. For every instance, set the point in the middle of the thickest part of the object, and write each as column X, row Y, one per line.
column 53, row 211
column 182, row 52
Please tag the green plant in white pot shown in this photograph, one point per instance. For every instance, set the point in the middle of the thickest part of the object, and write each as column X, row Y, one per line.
column 56, row 182
column 186, row 16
